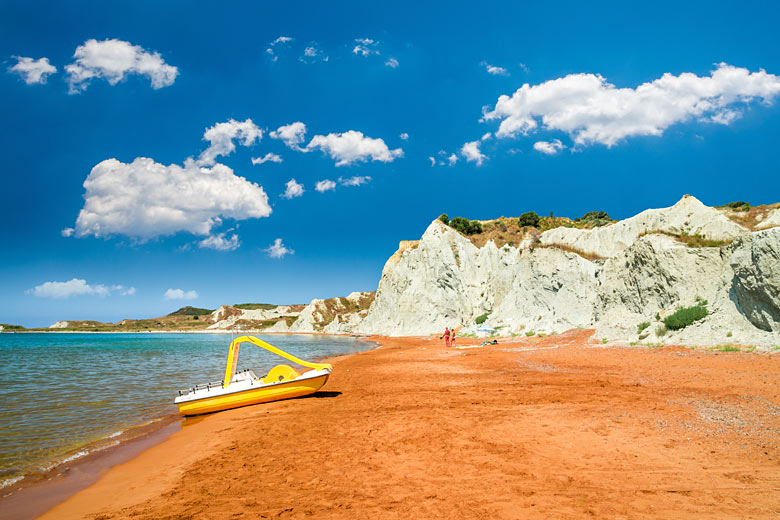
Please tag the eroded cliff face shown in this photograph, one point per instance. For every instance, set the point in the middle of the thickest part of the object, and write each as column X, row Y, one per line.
column 334, row 315
column 445, row 280
column 754, row 285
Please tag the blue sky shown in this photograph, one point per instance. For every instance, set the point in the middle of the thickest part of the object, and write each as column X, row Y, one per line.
column 580, row 137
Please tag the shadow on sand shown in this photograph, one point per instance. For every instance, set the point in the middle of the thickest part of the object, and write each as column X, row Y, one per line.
column 319, row 395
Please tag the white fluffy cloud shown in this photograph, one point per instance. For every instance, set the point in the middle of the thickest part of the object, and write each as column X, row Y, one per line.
column 352, row 146
column 452, row 159
column 392, row 63
column 346, row 148
column 549, row 148
column 591, row 110
column 292, row 135
column 269, row 157
column 67, row 232
column 77, row 287
column 278, row 249
column 325, row 185
column 293, row 189
column 113, row 60
column 496, row 71
column 33, row 71
column 271, row 50
column 221, row 136
column 178, row 294
column 365, row 47
column 218, row 242
column 357, row 180
column 145, row 199
column 470, row 151
column 433, row 161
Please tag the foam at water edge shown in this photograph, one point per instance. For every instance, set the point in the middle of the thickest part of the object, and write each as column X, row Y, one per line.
column 9, row 481
column 79, row 454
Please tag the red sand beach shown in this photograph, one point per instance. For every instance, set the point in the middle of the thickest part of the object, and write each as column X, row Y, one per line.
column 554, row 427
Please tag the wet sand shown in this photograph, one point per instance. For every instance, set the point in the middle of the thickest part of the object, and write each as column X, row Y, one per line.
column 34, row 496
column 540, row 428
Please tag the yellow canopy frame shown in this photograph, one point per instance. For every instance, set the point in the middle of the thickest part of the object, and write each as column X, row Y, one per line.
column 232, row 360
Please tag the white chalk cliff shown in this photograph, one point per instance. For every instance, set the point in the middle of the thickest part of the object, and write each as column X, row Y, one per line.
column 334, row 315
column 228, row 316
column 445, row 280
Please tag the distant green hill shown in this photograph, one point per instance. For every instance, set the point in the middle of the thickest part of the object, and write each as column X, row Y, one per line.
column 255, row 306
column 6, row 326
column 191, row 311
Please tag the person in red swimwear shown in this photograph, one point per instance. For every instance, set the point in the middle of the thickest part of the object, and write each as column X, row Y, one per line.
column 446, row 336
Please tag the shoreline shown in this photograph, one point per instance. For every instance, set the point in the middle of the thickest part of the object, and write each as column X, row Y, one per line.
column 32, row 496
column 18, row 508
column 35, row 493
column 402, row 446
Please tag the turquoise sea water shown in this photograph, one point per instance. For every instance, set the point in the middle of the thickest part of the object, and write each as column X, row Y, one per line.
column 64, row 395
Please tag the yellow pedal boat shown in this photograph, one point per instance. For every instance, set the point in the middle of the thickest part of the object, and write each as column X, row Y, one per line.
column 244, row 388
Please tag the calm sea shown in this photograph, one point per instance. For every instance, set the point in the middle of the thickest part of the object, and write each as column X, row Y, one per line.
column 64, row 395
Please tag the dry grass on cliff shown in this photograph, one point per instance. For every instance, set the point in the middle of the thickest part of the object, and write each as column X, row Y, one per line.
column 751, row 218
column 690, row 240
column 501, row 231
column 506, row 231
column 569, row 249
column 255, row 324
column 334, row 308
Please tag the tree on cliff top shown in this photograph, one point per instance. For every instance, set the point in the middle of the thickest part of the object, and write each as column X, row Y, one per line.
column 528, row 219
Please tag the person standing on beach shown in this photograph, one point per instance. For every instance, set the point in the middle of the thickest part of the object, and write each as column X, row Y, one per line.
column 452, row 338
column 446, row 337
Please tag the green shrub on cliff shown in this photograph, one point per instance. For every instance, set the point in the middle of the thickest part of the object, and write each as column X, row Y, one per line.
column 466, row 226
column 684, row 317
column 739, row 205
column 445, row 218
column 595, row 218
